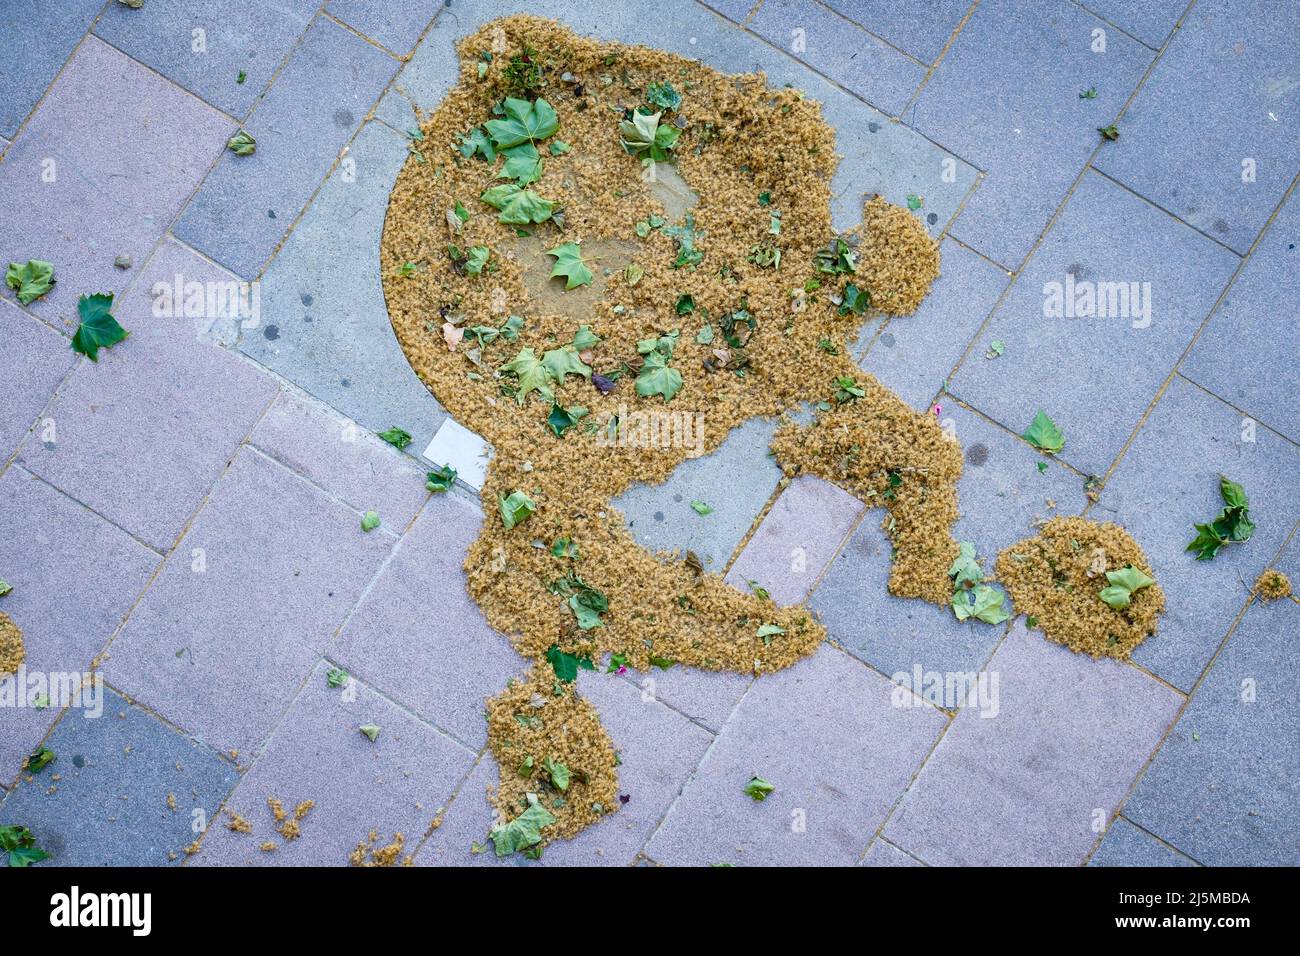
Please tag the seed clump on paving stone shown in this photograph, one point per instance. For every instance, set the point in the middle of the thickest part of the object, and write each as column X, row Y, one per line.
column 700, row 279
column 12, row 652
column 1058, row 578
column 1271, row 585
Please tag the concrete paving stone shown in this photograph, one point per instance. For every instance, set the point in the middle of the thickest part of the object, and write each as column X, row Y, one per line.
column 1168, row 481
column 1001, row 495
column 734, row 10
column 130, row 790
column 1237, row 356
column 396, row 26
column 884, row 853
column 661, row 517
column 325, row 326
column 1032, row 139
column 914, row 354
column 1028, row 785
column 394, row 785
column 1223, row 787
column 659, row 748
column 100, row 171
column 328, row 85
column 839, row 756
column 1126, row 845
column 255, row 590
column 1151, row 21
column 855, row 59
column 1207, row 136
column 797, row 539
column 418, row 636
column 74, row 577
column 37, row 39
column 892, row 160
column 343, row 458
column 706, row 697
column 34, row 361
column 141, row 435
column 920, row 29
column 1064, row 365
column 203, row 45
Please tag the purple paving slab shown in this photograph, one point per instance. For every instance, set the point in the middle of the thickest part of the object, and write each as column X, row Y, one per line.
column 37, row 37
column 1072, row 367
column 1001, row 495
column 1168, row 481
column 884, row 853
column 124, row 148
column 74, row 577
column 914, row 354
column 1209, row 136
column 251, row 37
column 1127, row 845
column 1149, row 20
column 330, row 82
column 658, row 747
column 797, row 539
column 861, row 63
column 395, row 25
column 343, row 458
column 142, row 434
column 418, row 636
column 839, row 755
column 1223, row 788
column 1026, row 786
column 706, row 697
column 249, row 599
column 1032, row 139
column 34, row 361
column 1237, row 355
column 127, row 793
column 921, row 29
column 394, row 785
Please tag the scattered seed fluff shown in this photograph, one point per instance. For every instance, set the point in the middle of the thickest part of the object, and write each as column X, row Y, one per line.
column 12, row 652
column 1271, row 585
column 719, row 262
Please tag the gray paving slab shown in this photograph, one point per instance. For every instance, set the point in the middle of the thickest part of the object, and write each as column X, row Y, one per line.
column 1237, row 355
column 855, row 59
column 1207, row 137
column 914, row 354
column 396, row 26
column 74, row 577
column 317, row 102
column 34, row 362
column 1031, row 138
column 124, row 790
column 419, row 638
column 100, row 171
column 883, row 853
column 1167, row 482
column 1034, row 783
column 706, row 697
column 325, row 326
column 161, row 397
column 920, row 29
column 1106, row 241
column 205, row 45
column 392, row 785
column 29, row 67
column 1151, row 21
column 1223, row 787
column 838, row 757
column 254, row 591
column 1127, row 845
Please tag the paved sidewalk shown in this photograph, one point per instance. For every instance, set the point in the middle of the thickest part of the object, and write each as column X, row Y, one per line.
column 183, row 516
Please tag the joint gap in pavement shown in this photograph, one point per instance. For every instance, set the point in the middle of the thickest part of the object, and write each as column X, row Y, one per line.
column 916, row 94
column 875, row 36
column 1159, row 208
column 324, row 14
column 1236, row 408
column 451, row 802
column 1116, row 27
column 167, row 79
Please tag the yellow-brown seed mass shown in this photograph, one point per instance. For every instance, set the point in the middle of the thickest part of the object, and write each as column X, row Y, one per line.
column 755, row 166
column 1057, row 577
column 12, row 652
column 1272, row 585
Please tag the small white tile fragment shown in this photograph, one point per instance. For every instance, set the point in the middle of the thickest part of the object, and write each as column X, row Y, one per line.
column 456, row 445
